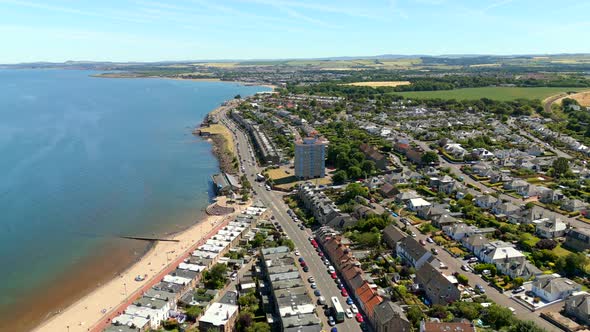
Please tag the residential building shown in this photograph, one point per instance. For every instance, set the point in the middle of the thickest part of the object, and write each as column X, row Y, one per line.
column 507, row 259
column 475, row 243
column 553, row 287
column 310, row 158
column 550, row 228
column 371, row 153
column 578, row 239
column 411, row 252
column 390, row 317
column 438, row 288
column 392, row 235
column 417, row 203
column 219, row 317
column 573, row 205
column 578, row 307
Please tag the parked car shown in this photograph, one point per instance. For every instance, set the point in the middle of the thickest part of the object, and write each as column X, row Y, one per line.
column 479, row 288
column 333, row 275
column 349, row 301
column 337, row 280
column 465, row 267
column 354, row 308
column 297, row 253
column 430, row 240
column 344, row 292
column 331, row 321
column 434, row 251
column 322, row 300
column 518, row 290
column 359, row 318
column 331, row 269
column 311, row 279
column 313, row 285
column 321, row 254
column 348, row 313
column 306, row 268
column 317, row 292
column 422, row 242
column 340, row 286
column 300, row 259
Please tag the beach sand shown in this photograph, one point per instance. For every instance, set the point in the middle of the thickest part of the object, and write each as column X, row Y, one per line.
column 88, row 313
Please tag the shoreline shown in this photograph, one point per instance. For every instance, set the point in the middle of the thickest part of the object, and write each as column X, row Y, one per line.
column 204, row 79
column 86, row 313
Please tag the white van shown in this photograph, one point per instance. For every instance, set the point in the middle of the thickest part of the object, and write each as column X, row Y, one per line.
column 331, row 269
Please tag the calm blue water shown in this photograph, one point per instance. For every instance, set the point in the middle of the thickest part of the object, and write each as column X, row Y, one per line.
column 84, row 159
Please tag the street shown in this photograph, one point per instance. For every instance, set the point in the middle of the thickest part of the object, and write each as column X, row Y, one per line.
column 275, row 203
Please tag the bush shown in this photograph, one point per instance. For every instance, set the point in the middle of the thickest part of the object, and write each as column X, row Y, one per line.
column 546, row 244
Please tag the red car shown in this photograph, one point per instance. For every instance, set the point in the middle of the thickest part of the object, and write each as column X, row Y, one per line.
column 359, row 318
column 334, row 276
column 321, row 254
column 303, row 264
column 344, row 292
column 314, row 242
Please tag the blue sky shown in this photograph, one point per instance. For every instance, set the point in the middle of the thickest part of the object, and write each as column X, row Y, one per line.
column 146, row 30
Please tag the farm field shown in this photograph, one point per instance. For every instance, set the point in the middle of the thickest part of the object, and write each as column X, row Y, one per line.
column 377, row 84
column 496, row 93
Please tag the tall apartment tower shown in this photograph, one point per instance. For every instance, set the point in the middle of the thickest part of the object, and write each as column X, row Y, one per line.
column 310, row 158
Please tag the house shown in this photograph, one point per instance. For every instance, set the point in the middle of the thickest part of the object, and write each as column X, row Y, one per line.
column 485, row 201
column 504, row 209
column 405, row 196
column 392, row 235
column 455, row 150
column 388, row 190
column 446, row 327
column 551, row 196
column 438, row 288
column 550, row 228
column 415, row 155
column 578, row 239
column 505, row 257
column 368, row 299
column 528, row 191
column 444, row 220
column 225, row 184
column 515, row 184
column 459, row 230
column 482, row 153
column 411, row 252
column 219, row 317
column 390, row 317
column 371, row 153
column 417, row 203
column 475, row 243
column 573, row 205
column 578, row 307
column 553, row 287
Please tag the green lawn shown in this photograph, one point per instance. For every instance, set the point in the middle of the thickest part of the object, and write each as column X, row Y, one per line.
column 496, row 93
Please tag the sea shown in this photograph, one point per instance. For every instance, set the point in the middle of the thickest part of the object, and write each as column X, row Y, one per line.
column 84, row 161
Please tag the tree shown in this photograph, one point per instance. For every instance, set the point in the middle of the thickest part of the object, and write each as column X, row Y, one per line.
column 340, row 177
column 468, row 310
column 438, row 311
column 518, row 281
column 215, row 277
column 524, row 326
column 245, row 320
column 193, row 312
column 368, row 166
column 560, row 167
column 258, row 240
column 259, row 327
column 462, row 279
column 248, row 302
column 355, row 172
column 572, row 264
column 429, row 157
column 355, row 189
column 546, row 244
column 415, row 315
column 497, row 316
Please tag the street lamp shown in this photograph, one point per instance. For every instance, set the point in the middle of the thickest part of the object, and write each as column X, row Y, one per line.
column 125, row 285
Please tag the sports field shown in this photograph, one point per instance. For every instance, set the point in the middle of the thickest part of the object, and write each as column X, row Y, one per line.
column 496, row 93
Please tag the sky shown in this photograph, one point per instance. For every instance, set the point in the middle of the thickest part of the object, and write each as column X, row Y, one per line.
column 146, row 30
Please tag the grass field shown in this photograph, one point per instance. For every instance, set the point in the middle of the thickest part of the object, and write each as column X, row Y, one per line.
column 221, row 130
column 496, row 93
column 375, row 84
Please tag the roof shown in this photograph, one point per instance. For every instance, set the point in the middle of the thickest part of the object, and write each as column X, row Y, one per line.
column 387, row 311
column 393, row 233
column 218, row 313
column 447, row 327
column 416, row 202
column 475, row 240
column 412, row 248
column 368, row 297
column 580, row 301
column 553, row 285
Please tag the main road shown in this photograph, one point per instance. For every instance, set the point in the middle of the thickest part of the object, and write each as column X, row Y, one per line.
column 300, row 238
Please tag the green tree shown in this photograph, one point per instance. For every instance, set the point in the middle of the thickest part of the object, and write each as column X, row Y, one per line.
column 415, row 315
column 560, row 167
column 429, row 157
column 497, row 316
column 193, row 312
column 438, row 311
column 215, row 277
column 524, row 326
column 462, row 279
column 468, row 310
column 368, row 166
column 259, row 327
column 340, row 177
column 355, row 189
column 258, row 240
column 573, row 264
column 354, row 172
column 249, row 302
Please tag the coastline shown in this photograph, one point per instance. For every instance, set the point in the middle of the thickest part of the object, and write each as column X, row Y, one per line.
column 204, row 79
column 87, row 313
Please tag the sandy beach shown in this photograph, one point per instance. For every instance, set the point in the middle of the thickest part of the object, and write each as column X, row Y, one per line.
column 205, row 79
column 91, row 312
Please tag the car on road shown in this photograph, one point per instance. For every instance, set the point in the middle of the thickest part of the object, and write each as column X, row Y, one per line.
column 518, row 290
column 344, row 292
column 429, row 240
column 349, row 301
column 333, row 275
column 479, row 289
column 331, row 269
column 465, row 267
column 413, row 234
column 306, row 269
column 348, row 313
column 337, row 281
column 359, row 318
column 300, row 259
column 314, row 286
column 322, row 300
column 311, row 279
column 331, row 321
column 354, row 308
column 321, row 254
column 422, row 242
column 472, row 260
column 326, row 262
column 317, row 292
column 434, row 251
column 301, row 227
column 334, row 329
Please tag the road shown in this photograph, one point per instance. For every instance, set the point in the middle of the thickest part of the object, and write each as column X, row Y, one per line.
column 275, row 203
column 454, row 265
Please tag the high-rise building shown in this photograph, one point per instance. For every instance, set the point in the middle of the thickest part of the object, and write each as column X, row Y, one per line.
column 310, row 157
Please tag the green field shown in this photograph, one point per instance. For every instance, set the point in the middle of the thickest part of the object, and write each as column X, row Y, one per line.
column 496, row 93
